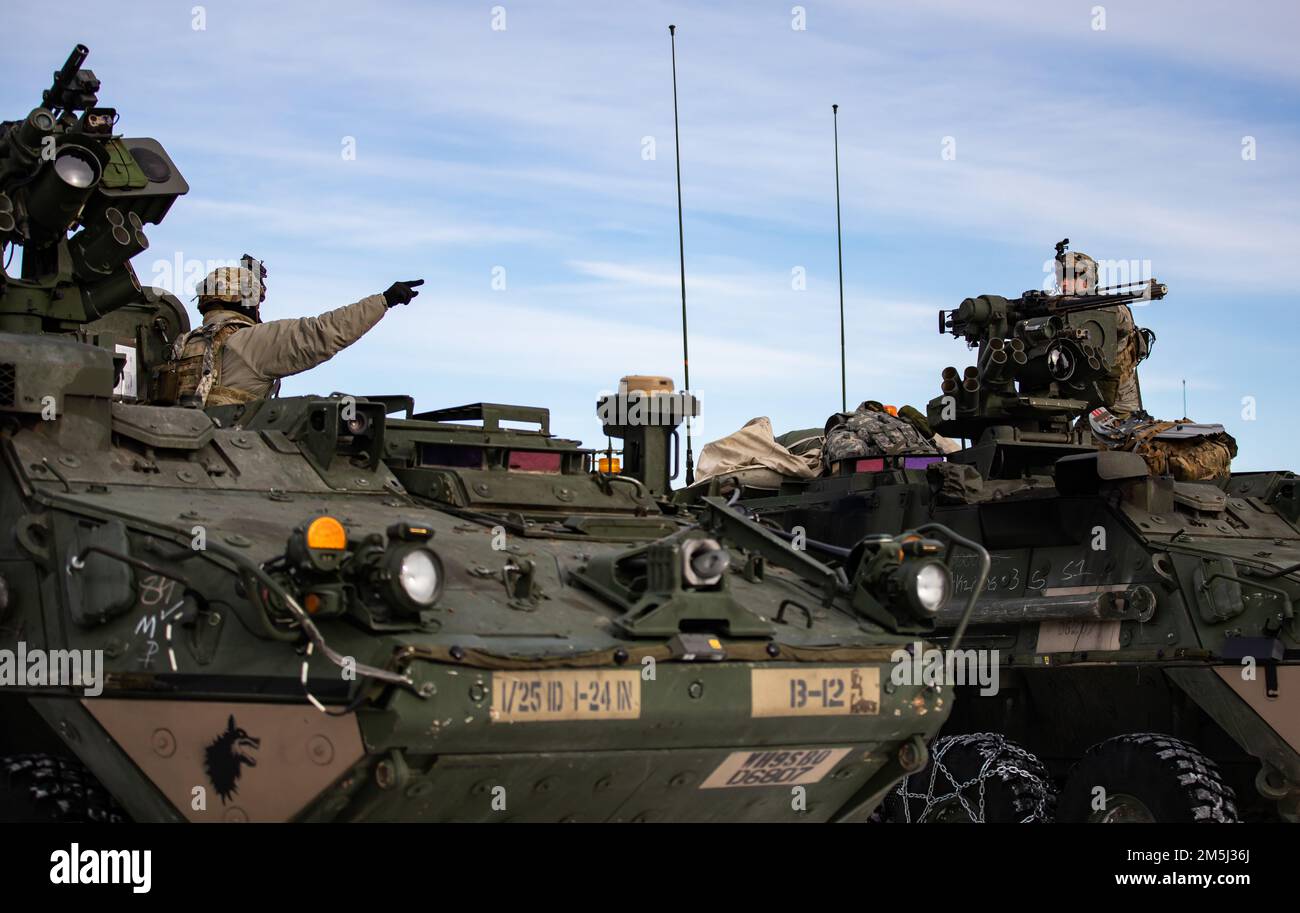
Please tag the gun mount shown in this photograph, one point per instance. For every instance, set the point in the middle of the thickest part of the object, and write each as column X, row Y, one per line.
column 75, row 197
column 1041, row 359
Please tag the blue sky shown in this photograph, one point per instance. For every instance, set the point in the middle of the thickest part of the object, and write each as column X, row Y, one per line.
column 523, row 149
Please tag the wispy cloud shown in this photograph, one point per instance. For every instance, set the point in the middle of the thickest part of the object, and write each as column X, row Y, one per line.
column 360, row 224
column 529, row 150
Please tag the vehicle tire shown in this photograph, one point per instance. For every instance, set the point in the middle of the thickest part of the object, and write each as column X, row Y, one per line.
column 36, row 788
column 980, row 778
column 1147, row 777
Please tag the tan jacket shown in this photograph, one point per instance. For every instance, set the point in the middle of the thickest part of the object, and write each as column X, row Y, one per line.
column 256, row 356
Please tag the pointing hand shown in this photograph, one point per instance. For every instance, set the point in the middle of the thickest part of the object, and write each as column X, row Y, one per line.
column 402, row 292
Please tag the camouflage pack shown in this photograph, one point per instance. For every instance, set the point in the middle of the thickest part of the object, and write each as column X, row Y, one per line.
column 1187, row 451
column 870, row 431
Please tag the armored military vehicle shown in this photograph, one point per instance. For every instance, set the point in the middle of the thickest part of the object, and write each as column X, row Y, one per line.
column 339, row 608
column 1144, row 626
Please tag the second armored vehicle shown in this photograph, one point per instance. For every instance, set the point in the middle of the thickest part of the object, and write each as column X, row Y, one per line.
column 1144, row 626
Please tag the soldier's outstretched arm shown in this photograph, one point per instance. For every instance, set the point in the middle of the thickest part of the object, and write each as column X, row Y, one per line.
column 284, row 347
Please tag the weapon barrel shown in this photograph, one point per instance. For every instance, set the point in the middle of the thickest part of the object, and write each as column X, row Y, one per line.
column 63, row 78
column 1111, row 296
column 72, row 64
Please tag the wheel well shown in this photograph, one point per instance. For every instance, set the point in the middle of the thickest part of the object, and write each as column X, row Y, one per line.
column 23, row 731
column 1060, row 713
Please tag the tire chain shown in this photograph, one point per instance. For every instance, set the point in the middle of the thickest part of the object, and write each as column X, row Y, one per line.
column 992, row 746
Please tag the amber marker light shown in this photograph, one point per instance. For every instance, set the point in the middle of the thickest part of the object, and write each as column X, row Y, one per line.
column 327, row 534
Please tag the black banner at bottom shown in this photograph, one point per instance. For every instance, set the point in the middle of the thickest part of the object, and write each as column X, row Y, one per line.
column 306, row 862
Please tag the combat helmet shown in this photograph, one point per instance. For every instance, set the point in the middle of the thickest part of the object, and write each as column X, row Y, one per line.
column 240, row 288
column 1073, row 264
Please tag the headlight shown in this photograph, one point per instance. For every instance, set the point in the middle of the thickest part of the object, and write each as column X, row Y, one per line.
column 419, row 577
column 927, row 585
column 415, row 577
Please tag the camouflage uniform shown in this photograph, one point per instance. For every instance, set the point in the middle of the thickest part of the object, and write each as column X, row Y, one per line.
column 1119, row 388
column 870, row 431
column 234, row 358
column 1184, row 450
column 1126, row 398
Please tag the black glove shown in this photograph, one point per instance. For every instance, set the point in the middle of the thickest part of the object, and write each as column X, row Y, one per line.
column 402, row 292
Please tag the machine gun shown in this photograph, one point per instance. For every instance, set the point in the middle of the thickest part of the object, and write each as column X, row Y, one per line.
column 987, row 316
column 76, row 196
column 1042, row 360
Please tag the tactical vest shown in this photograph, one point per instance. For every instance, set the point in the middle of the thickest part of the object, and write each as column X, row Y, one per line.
column 1119, row 386
column 197, row 365
column 870, row 432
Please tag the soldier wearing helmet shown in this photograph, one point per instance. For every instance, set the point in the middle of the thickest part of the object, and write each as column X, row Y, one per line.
column 235, row 357
column 1076, row 274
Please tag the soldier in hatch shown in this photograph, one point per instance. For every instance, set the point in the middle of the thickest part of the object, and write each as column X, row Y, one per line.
column 234, row 357
column 1076, row 274
column 1186, row 451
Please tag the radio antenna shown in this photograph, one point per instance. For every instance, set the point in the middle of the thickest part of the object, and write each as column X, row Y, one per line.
column 681, row 254
column 839, row 251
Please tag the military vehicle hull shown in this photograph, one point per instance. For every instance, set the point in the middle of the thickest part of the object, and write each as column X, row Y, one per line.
column 313, row 609
column 1118, row 604
column 512, row 706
